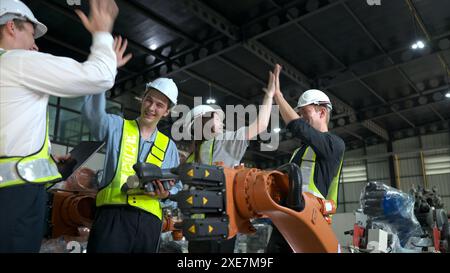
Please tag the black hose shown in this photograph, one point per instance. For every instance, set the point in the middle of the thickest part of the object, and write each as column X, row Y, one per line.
column 294, row 199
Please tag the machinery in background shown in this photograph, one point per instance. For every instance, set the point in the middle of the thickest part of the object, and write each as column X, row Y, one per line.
column 172, row 238
column 71, row 210
column 393, row 221
column 72, row 204
column 226, row 199
column 432, row 216
column 257, row 242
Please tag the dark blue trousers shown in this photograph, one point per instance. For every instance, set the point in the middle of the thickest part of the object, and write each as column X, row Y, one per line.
column 124, row 229
column 22, row 218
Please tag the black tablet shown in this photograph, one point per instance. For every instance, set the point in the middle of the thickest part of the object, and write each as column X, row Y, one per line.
column 79, row 155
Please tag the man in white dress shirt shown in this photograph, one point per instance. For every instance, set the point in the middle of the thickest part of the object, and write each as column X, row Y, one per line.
column 27, row 79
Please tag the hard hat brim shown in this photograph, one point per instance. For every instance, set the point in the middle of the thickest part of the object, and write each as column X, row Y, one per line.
column 40, row 30
column 327, row 104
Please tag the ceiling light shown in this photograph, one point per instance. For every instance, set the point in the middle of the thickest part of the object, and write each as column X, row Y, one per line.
column 210, row 101
column 153, row 46
column 277, row 130
column 447, row 95
column 418, row 45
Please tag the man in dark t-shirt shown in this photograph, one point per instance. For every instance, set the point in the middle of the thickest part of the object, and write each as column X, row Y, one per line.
column 321, row 154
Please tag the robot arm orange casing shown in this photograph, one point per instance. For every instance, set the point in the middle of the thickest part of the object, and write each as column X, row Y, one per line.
column 74, row 206
column 169, row 226
column 253, row 193
column 70, row 211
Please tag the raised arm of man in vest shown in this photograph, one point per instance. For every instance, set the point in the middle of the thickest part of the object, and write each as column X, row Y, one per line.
column 94, row 107
column 262, row 121
column 65, row 77
column 319, row 140
column 287, row 112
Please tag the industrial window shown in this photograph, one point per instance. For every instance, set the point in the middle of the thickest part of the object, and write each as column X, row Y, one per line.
column 437, row 164
column 69, row 127
column 354, row 173
column 52, row 121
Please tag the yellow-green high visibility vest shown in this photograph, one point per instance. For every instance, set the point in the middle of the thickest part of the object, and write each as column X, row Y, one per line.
column 38, row 168
column 191, row 158
column 129, row 150
column 307, row 168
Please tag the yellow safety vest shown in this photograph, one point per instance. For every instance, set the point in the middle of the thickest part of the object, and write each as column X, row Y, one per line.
column 307, row 168
column 129, row 150
column 38, row 168
column 191, row 158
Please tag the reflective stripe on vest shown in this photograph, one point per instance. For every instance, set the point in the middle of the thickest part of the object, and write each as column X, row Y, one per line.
column 191, row 157
column 129, row 152
column 39, row 168
column 307, row 168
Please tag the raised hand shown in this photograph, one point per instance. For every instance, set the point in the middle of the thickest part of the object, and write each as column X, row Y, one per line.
column 120, row 46
column 276, row 73
column 270, row 89
column 102, row 15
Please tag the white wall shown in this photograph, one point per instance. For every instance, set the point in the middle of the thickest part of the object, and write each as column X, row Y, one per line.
column 408, row 150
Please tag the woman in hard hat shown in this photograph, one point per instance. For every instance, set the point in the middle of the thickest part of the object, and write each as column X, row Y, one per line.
column 217, row 145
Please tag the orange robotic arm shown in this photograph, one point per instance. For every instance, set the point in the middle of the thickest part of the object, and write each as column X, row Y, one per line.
column 227, row 199
column 230, row 197
column 72, row 205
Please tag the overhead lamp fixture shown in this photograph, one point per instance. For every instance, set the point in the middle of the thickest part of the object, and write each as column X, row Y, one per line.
column 276, row 130
column 447, row 95
column 418, row 45
column 211, row 100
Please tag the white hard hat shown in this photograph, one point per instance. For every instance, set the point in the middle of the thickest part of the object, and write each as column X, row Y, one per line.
column 165, row 86
column 201, row 110
column 314, row 96
column 15, row 9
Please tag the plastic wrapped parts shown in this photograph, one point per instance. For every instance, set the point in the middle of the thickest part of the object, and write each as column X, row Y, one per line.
column 392, row 209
